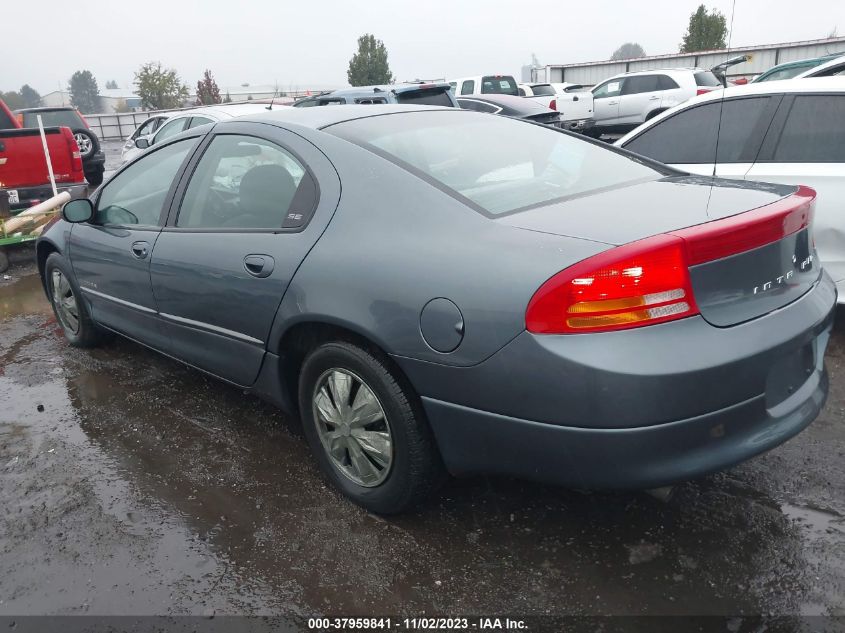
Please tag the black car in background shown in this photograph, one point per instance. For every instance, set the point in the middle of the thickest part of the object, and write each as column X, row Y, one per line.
column 93, row 158
column 508, row 105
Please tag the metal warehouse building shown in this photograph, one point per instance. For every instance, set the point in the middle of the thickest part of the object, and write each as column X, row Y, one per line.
column 763, row 58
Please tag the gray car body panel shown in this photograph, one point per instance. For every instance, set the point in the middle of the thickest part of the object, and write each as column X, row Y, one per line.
column 385, row 243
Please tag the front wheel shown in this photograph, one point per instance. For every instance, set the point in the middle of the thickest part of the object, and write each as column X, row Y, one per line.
column 367, row 429
column 68, row 306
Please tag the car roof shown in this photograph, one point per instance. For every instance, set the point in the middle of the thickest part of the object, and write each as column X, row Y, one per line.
column 323, row 116
column 221, row 111
column 831, row 61
column 43, row 109
column 384, row 88
column 651, row 71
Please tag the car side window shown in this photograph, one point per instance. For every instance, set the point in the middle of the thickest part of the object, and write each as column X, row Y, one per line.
column 244, row 182
column 689, row 137
column 136, row 195
column 608, row 89
column 199, row 120
column 639, row 84
column 477, row 106
column 171, row 128
column 148, row 128
column 665, row 82
column 468, row 87
column 813, row 131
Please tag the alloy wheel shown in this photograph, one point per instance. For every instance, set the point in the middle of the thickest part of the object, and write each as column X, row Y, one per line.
column 64, row 301
column 84, row 143
column 352, row 426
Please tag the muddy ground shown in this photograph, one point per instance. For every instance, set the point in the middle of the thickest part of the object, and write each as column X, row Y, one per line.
column 132, row 484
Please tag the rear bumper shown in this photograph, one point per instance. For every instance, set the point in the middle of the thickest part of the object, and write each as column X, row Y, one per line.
column 473, row 441
column 578, row 125
column 634, row 409
column 29, row 196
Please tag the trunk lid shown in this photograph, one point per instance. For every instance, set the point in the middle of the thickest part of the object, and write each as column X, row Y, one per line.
column 742, row 265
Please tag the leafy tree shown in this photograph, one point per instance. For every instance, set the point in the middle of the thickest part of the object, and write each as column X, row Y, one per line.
column 30, row 96
column 84, row 93
column 159, row 88
column 13, row 99
column 207, row 91
column 706, row 31
column 122, row 106
column 369, row 65
column 111, row 84
column 228, row 98
column 629, row 50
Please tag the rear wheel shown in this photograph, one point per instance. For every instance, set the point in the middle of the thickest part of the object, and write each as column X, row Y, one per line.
column 367, row 429
column 87, row 143
column 68, row 306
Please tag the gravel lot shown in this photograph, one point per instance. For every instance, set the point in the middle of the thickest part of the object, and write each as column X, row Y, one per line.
column 144, row 487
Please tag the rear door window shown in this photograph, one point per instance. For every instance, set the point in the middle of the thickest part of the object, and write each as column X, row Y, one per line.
column 706, row 79
column 639, row 84
column 814, row 131
column 689, row 137
column 244, row 182
column 665, row 82
column 171, row 128
column 468, row 87
column 199, row 120
column 477, row 106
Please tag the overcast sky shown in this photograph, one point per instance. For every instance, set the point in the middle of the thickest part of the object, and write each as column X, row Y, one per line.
column 309, row 43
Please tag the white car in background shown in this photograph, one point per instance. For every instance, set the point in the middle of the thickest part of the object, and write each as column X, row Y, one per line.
column 789, row 132
column 186, row 119
column 573, row 101
column 146, row 129
column 623, row 102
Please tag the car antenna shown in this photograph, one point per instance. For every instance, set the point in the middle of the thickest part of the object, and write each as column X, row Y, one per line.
column 275, row 92
column 723, row 79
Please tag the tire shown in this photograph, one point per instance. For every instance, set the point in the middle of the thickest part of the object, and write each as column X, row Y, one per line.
column 415, row 467
column 87, row 141
column 86, row 333
column 4, row 261
column 95, row 176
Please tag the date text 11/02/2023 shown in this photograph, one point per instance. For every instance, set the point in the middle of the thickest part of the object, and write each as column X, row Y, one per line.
column 417, row 624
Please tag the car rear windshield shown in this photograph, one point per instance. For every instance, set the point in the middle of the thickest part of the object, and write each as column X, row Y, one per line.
column 706, row 79
column 499, row 85
column 51, row 118
column 543, row 90
column 496, row 165
column 427, row 96
column 776, row 74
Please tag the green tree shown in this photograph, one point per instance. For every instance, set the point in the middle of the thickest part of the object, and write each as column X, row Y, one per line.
column 207, row 91
column 111, row 84
column 159, row 88
column 369, row 65
column 629, row 50
column 706, row 31
column 30, row 96
column 228, row 98
column 84, row 93
column 13, row 99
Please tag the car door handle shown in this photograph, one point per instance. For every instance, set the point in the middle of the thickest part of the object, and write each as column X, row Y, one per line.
column 654, row 98
column 575, row 98
column 612, row 102
column 140, row 250
column 260, row 266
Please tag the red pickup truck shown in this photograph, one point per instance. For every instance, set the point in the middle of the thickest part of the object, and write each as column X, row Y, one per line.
column 23, row 168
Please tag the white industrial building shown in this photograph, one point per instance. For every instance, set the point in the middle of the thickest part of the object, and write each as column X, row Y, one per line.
column 762, row 58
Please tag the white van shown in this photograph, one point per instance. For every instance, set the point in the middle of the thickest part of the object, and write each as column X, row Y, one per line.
column 486, row 85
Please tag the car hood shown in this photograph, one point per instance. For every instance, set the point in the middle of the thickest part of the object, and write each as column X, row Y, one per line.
column 637, row 210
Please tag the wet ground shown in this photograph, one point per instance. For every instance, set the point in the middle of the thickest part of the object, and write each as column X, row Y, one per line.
column 132, row 484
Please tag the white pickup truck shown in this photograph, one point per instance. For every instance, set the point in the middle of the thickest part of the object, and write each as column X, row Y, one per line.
column 573, row 101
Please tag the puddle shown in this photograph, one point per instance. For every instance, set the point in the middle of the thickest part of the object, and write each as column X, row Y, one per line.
column 23, row 297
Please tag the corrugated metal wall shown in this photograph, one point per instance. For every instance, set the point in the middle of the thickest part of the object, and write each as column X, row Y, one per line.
column 763, row 58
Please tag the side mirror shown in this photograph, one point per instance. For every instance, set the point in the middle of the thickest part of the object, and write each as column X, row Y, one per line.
column 80, row 210
column 142, row 143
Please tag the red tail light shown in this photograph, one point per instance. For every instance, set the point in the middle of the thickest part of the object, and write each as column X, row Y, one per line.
column 648, row 281
column 75, row 156
column 702, row 91
column 553, row 104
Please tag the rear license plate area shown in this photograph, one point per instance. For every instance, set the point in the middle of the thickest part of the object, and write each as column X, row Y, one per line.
column 788, row 373
column 13, row 196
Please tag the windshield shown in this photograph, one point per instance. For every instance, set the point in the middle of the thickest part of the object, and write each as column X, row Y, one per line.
column 543, row 90
column 429, row 96
column 52, row 118
column 497, row 165
column 776, row 74
column 499, row 85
